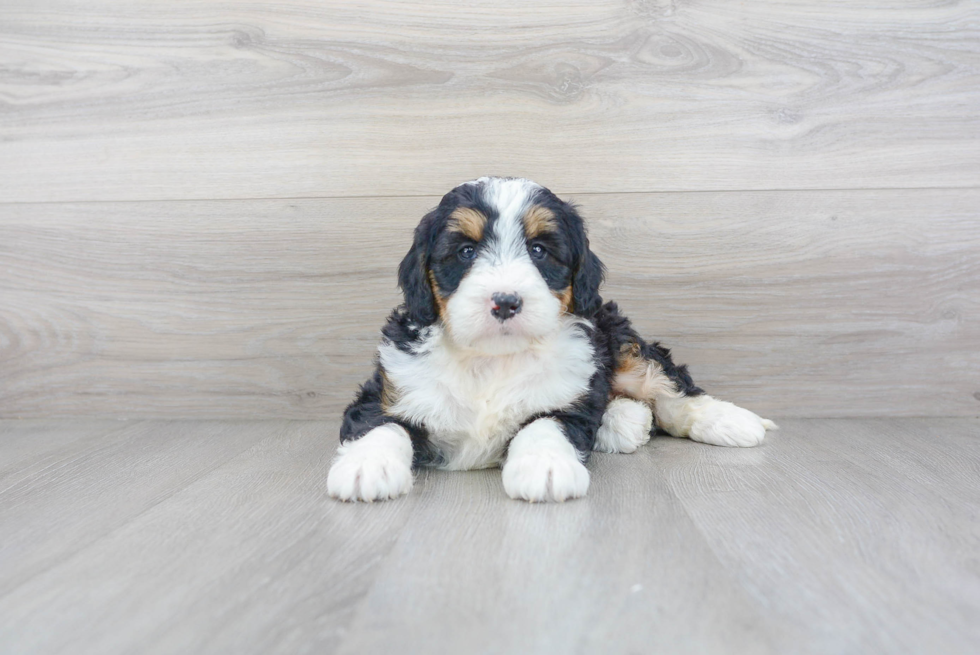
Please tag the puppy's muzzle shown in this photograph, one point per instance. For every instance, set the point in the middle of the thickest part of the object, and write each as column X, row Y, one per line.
column 506, row 305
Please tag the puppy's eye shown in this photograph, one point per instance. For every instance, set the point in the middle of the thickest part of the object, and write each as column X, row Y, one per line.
column 466, row 253
column 538, row 251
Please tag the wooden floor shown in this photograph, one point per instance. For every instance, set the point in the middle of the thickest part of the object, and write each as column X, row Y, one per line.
column 836, row 536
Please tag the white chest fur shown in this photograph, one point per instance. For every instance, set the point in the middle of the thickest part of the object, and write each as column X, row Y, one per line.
column 472, row 405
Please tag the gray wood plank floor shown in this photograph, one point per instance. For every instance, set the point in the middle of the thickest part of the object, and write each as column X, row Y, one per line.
column 838, row 535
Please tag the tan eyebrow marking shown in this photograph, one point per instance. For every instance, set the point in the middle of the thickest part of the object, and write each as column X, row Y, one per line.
column 539, row 220
column 469, row 221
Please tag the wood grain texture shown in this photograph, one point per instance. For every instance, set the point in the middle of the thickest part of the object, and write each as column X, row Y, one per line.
column 848, row 536
column 28, row 443
column 826, row 531
column 792, row 303
column 625, row 572
column 104, row 101
column 251, row 557
column 67, row 499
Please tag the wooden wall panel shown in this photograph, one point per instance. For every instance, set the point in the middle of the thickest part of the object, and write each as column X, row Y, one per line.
column 785, row 192
column 186, row 99
column 804, row 303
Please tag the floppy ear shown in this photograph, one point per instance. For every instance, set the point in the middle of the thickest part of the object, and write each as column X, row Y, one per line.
column 585, row 285
column 413, row 279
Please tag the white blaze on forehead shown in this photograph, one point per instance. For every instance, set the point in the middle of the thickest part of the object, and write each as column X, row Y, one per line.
column 511, row 199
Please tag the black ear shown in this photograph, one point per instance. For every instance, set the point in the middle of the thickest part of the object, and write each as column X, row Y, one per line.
column 585, row 285
column 413, row 278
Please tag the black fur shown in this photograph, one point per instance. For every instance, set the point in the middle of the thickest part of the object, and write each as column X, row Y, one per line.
column 588, row 279
column 420, row 303
column 569, row 260
column 618, row 330
column 585, row 271
column 434, row 250
column 366, row 412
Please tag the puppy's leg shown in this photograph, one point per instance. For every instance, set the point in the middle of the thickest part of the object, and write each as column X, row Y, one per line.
column 543, row 465
column 647, row 372
column 375, row 467
column 625, row 427
column 708, row 420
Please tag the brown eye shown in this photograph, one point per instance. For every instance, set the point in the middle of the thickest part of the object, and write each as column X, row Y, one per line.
column 466, row 253
column 538, row 251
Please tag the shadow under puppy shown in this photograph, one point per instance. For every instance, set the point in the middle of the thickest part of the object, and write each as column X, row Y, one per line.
column 504, row 354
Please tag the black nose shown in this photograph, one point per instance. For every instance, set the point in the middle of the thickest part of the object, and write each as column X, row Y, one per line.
column 506, row 305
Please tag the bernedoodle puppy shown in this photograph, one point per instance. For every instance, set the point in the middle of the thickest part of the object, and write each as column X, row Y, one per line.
column 504, row 354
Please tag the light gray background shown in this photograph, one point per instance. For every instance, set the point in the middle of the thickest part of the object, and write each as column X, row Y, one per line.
column 203, row 204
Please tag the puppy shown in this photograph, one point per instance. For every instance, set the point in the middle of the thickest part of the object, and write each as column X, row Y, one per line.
column 504, row 354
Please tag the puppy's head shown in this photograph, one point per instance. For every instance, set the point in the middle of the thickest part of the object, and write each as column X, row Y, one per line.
column 499, row 262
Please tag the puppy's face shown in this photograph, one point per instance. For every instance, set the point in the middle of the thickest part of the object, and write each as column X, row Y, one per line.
column 499, row 262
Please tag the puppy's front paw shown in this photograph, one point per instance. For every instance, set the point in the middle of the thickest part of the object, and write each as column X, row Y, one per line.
column 721, row 423
column 543, row 466
column 545, row 478
column 375, row 467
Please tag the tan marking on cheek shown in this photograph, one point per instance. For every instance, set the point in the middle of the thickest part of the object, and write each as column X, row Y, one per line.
column 468, row 221
column 440, row 300
column 641, row 378
column 564, row 296
column 539, row 220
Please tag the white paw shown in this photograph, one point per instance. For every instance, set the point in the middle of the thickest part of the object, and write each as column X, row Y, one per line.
column 545, row 478
column 542, row 466
column 375, row 467
column 721, row 423
column 625, row 426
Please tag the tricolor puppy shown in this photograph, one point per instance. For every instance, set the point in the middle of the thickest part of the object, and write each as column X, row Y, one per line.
column 504, row 354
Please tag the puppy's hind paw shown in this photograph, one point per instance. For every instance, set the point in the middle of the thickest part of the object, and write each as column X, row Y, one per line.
column 721, row 423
